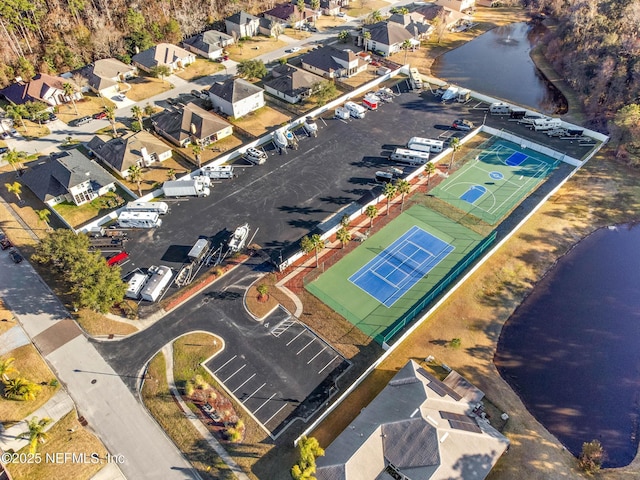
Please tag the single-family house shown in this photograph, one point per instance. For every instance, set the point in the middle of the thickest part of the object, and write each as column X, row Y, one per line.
column 44, row 88
column 68, row 176
column 103, row 76
column 331, row 62
column 433, row 12
column 242, row 24
column 270, row 28
column 139, row 148
column 236, row 97
column 288, row 14
column 327, row 7
column 290, row 83
column 167, row 54
column 209, row 44
column 191, row 124
column 417, row 428
column 389, row 36
column 457, row 5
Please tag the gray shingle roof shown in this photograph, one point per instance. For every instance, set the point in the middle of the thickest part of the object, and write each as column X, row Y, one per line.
column 241, row 18
column 291, row 81
column 323, row 58
column 177, row 124
column 422, row 448
column 209, row 41
column 121, row 153
column 388, row 33
column 234, row 89
column 161, row 54
column 101, row 73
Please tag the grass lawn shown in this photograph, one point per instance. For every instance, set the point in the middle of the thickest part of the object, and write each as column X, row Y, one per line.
column 32, row 130
column 121, row 128
column 246, row 50
column 200, row 68
column 7, row 320
column 79, row 215
column 67, row 435
column 158, row 172
column 89, row 105
column 211, row 151
column 361, row 78
column 329, row 22
column 146, row 86
column 96, row 324
column 358, row 8
column 32, row 367
column 262, row 120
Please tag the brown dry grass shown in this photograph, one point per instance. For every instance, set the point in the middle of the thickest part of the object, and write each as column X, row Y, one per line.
column 249, row 49
column 96, row 324
column 7, row 320
column 276, row 296
column 32, row 130
column 88, row 106
column 157, row 173
column 67, row 435
column 32, row 367
column 262, row 120
column 210, row 152
column 357, row 8
column 200, row 68
column 146, row 86
column 360, row 79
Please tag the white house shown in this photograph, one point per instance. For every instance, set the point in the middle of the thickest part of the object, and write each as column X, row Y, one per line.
column 236, row 97
column 103, row 76
column 44, row 88
column 242, row 24
column 167, row 54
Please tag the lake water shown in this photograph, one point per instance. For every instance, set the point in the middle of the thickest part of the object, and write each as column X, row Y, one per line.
column 572, row 349
column 497, row 63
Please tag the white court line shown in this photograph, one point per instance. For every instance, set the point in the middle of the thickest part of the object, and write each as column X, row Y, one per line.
column 225, row 363
column 323, row 349
column 265, row 402
column 330, row 362
column 294, row 338
column 312, row 340
column 271, row 418
column 242, row 385
column 231, row 376
column 257, row 390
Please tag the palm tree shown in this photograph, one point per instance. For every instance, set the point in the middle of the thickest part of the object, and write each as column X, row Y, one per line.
column 197, row 150
column 149, row 110
column 111, row 116
column 136, row 176
column 389, row 191
column 374, row 17
column 43, row 215
column 171, row 174
column 21, row 389
column 7, row 368
column 454, row 144
column 344, row 221
column 315, row 243
column 14, row 188
column 402, row 187
column 430, row 168
column 70, row 91
column 344, row 236
column 371, row 212
column 15, row 157
column 315, row 5
column 36, row 433
column 406, row 45
column 366, row 36
column 17, row 113
column 137, row 112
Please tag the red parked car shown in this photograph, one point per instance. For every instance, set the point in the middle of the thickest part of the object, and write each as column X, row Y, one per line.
column 100, row 115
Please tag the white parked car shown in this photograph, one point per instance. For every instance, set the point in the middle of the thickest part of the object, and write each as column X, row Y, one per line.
column 294, row 49
column 341, row 14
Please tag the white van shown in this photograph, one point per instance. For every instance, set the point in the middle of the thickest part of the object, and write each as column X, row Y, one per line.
column 425, row 145
column 546, row 124
column 355, row 110
column 129, row 219
column 499, row 109
column 409, row 157
column 158, row 207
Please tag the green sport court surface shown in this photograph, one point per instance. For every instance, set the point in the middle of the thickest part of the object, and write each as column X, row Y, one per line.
column 361, row 307
column 497, row 176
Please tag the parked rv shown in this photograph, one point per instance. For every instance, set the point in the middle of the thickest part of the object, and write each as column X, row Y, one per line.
column 158, row 207
column 160, row 278
column 464, row 96
column 135, row 285
column 517, row 113
column 499, row 109
column 218, row 172
column 425, row 145
column 384, row 177
column 543, row 124
column 187, row 188
column 529, row 118
column 409, row 157
column 342, row 113
column 129, row 219
column 370, row 101
column 255, row 156
column 416, row 78
column 355, row 110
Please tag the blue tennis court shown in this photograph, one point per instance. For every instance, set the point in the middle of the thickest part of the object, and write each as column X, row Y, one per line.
column 515, row 159
column 396, row 269
column 473, row 194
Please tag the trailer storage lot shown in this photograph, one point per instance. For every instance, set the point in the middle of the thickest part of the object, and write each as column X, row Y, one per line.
column 292, row 194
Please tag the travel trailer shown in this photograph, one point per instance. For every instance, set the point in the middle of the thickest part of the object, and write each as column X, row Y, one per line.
column 135, row 285
column 425, row 145
column 355, row 110
column 499, row 109
column 370, row 101
column 159, row 279
column 416, row 78
column 342, row 113
column 409, row 157
column 129, row 219
column 543, row 124
column 187, row 188
column 218, row 172
column 160, row 208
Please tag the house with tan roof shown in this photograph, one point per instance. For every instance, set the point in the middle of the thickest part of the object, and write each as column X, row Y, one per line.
column 140, row 148
column 44, row 88
column 103, row 76
column 388, row 36
column 290, row 83
column 417, row 428
column 457, row 5
column 191, row 124
column 236, row 97
column 167, row 54
column 434, row 12
column 209, row 44
column 331, row 62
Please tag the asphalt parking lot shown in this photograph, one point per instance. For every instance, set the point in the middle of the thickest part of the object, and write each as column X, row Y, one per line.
column 293, row 194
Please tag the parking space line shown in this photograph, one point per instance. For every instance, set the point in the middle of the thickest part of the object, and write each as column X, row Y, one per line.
column 271, row 418
column 301, row 332
column 330, row 362
column 257, row 390
column 229, row 377
column 244, row 383
column 225, row 363
column 323, row 349
column 265, row 402
column 300, row 351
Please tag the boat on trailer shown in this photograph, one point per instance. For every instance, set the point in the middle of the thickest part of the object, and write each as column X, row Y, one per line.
column 239, row 238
